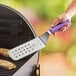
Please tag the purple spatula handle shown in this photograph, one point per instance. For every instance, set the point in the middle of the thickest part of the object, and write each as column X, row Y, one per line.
column 59, row 26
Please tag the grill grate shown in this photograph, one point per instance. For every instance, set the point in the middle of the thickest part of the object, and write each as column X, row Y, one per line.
column 12, row 42
column 14, row 30
column 4, row 72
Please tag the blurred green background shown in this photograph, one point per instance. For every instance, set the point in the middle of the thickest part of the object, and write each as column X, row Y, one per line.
column 40, row 14
column 45, row 8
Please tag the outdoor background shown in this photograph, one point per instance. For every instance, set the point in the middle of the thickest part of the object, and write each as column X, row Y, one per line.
column 59, row 57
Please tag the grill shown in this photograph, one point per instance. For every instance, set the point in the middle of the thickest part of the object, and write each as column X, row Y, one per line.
column 15, row 30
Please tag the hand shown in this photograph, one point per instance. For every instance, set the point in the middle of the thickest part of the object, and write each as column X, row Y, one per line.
column 62, row 18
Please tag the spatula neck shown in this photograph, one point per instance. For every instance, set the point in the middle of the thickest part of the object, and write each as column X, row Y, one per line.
column 49, row 32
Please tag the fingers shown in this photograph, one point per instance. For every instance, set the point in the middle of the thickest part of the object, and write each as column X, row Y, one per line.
column 65, row 27
column 59, row 19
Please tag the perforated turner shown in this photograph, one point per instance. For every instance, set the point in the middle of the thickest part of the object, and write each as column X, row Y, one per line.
column 34, row 45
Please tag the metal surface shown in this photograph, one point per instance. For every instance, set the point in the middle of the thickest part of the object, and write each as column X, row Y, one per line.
column 26, row 49
column 13, row 32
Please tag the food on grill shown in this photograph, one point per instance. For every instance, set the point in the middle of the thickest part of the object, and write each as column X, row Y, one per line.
column 4, row 63
column 7, row 65
column 4, row 52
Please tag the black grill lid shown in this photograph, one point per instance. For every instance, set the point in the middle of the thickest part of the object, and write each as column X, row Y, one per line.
column 14, row 30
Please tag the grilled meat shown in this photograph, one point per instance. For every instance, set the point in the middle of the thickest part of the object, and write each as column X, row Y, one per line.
column 4, row 52
column 7, row 65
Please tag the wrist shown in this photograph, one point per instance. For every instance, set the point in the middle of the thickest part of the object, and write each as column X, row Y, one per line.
column 68, row 15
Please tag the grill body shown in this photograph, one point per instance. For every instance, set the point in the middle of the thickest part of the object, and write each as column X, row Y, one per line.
column 15, row 30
